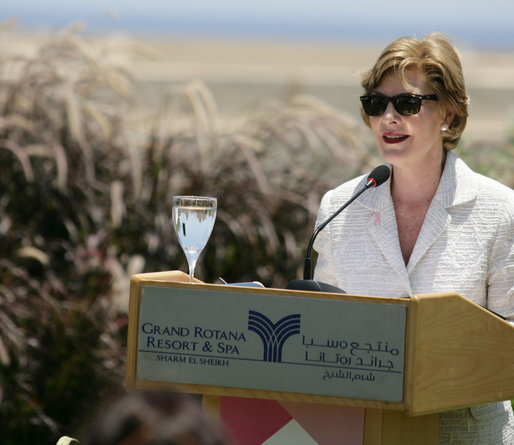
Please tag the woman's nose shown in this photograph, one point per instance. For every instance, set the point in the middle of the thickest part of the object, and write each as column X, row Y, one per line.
column 390, row 112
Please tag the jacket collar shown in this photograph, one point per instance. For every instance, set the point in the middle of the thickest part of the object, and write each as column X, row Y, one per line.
column 457, row 184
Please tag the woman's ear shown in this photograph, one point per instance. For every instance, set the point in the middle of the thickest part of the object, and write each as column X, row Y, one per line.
column 448, row 118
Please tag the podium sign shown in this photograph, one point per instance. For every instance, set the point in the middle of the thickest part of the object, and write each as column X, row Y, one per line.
column 287, row 343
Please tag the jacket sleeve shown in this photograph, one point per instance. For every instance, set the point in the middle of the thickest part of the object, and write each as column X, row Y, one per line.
column 500, row 280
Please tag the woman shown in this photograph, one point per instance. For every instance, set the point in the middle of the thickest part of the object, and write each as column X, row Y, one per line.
column 435, row 226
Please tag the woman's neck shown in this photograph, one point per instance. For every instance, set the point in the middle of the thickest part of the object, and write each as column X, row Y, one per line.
column 416, row 186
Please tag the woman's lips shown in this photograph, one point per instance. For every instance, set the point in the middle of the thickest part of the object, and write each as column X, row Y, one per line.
column 394, row 138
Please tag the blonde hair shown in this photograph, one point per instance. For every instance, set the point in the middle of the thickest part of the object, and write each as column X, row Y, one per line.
column 437, row 59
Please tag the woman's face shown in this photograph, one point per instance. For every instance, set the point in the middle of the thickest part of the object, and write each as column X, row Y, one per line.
column 411, row 141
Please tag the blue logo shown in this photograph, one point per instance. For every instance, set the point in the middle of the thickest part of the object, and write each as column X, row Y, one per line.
column 273, row 335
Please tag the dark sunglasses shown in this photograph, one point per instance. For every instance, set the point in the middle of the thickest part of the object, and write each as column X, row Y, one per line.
column 406, row 104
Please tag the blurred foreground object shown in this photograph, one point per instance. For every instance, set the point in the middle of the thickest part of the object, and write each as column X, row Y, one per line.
column 154, row 417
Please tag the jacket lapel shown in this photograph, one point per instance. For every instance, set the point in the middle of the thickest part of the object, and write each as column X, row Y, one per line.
column 433, row 226
column 450, row 193
column 384, row 230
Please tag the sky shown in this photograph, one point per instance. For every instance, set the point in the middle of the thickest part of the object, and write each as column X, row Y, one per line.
column 479, row 24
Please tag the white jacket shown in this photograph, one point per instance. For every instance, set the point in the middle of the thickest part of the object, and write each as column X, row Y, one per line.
column 466, row 245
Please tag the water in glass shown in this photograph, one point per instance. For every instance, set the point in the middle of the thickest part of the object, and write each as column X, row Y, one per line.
column 193, row 219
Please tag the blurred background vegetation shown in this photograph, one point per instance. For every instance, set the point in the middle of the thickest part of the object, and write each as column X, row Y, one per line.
column 87, row 173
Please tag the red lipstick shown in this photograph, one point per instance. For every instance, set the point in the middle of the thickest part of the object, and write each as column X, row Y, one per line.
column 394, row 138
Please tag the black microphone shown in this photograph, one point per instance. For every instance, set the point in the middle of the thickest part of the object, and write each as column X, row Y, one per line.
column 377, row 177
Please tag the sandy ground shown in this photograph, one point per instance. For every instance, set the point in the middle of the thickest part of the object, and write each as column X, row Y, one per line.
column 241, row 73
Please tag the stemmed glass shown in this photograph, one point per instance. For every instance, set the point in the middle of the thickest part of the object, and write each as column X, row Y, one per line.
column 193, row 219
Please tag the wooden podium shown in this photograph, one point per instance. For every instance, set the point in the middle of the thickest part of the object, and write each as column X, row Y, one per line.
column 400, row 361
